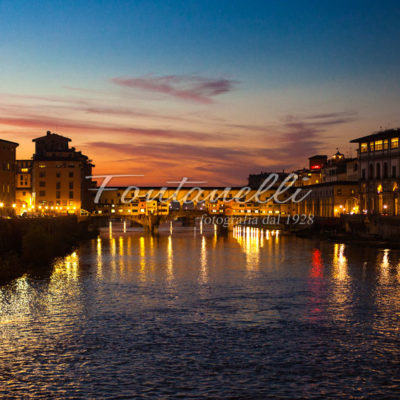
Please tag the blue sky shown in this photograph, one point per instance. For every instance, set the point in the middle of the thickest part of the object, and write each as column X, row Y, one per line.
column 262, row 64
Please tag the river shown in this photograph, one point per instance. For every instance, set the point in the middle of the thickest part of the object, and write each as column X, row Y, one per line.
column 253, row 314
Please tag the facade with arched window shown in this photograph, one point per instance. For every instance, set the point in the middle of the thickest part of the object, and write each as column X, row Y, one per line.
column 379, row 170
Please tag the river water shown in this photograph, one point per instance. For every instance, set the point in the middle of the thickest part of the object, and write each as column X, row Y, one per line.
column 251, row 315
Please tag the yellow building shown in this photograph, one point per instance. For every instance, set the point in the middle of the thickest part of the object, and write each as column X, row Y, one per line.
column 59, row 183
column 23, row 187
column 331, row 199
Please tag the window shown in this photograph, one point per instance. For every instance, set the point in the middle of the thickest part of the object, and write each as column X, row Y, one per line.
column 42, row 193
column 394, row 143
column 24, row 169
column 371, row 146
column 378, row 145
column 364, row 147
column 71, row 185
column 394, row 171
column 386, row 144
column 42, row 183
column 42, row 174
column 378, row 171
column 385, row 170
column 71, row 195
column 58, row 185
column 71, row 174
column 363, row 173
column 371, row 172
column 58, row 194
column 58, row 175
column 24, row 194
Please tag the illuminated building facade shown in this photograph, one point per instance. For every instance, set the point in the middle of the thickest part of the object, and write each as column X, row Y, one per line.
column 23, row 187
column 335, row 191
column 119, row 202
column 59, row 183
column 331, row 199
column 379, row 169
column 7, row 177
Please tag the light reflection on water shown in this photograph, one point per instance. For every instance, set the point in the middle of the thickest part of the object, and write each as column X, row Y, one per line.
column 251, row 314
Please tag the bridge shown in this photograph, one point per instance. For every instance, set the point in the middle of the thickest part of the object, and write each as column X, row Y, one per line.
column 151, row 222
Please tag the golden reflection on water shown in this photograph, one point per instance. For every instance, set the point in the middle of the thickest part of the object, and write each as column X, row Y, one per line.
column 113, row 251
column 99, row 258
column 170, row 260
column 341, row 300
column 142, row 260
column 340, row 272
column 67, row 267
column 251, row 240
column 384, row 267
column 203, row 276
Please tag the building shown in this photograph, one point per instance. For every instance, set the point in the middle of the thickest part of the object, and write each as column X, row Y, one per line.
column 334, row 186
column 313, row 174
column 340, row 168
column 7, row 177
column 379, row 170
column 23, row 187
column 331, row 199
column 59, row 183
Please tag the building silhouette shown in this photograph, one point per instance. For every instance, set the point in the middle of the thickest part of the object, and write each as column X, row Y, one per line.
column 7, row 176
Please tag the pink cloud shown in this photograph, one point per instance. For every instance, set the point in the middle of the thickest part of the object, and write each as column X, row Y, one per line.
column 193, row 88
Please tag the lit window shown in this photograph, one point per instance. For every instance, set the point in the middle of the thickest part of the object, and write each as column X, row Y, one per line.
column 371, row 146
column 394, row 143
column 386, row 144
column 364, row 147
column 379, row 145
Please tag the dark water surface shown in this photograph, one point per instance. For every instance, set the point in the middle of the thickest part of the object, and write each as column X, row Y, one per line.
column 201, row 316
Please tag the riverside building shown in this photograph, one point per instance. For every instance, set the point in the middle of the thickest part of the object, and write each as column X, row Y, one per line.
column 7, row 177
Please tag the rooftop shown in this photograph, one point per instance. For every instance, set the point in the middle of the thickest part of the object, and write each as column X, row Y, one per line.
column 8, row 142
column 386, row 134
column 51, row 135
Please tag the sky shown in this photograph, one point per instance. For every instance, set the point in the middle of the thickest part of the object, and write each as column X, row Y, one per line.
column 209, row 90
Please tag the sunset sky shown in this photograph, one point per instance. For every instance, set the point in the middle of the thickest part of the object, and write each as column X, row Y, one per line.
column 211, row 90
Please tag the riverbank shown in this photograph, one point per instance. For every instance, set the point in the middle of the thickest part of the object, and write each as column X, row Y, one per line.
column 32, row 244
